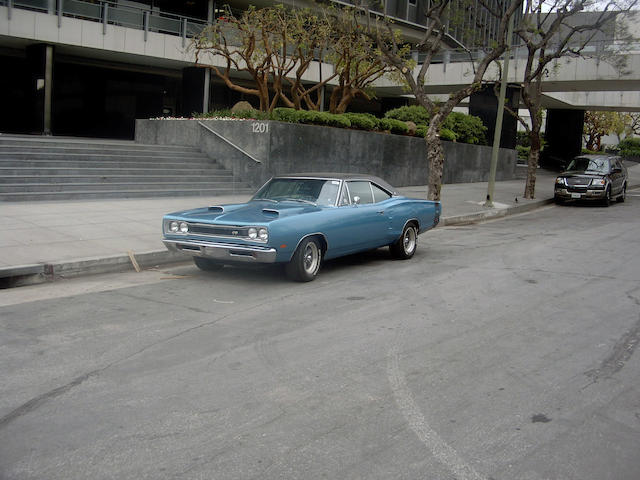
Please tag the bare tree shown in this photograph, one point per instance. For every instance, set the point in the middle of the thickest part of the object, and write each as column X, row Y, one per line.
column 549, row 31
column 274, row 46
column 441, row 15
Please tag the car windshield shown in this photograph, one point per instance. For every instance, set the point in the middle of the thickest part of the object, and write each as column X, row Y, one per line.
column 307, row 190
column 590, row 165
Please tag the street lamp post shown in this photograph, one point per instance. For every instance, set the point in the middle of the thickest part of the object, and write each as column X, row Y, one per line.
column 498, row 131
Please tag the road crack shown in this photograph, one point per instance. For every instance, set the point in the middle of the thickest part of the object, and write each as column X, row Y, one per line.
column 621, row 353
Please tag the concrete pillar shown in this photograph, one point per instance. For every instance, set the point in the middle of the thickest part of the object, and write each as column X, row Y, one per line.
column 563, row 135
column 40, row 60
column 484, row 104
column 195, row 90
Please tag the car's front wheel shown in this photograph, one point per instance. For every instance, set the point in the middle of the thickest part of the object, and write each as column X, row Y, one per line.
column 305, row 263
column 607, row 197
column 406, row 245
column 207, row 264
column 623, row 195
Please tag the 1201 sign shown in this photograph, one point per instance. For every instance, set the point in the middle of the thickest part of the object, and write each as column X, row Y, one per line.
column 259, row 127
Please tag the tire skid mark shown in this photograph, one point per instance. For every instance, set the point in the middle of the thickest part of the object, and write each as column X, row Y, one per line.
column 443, row 452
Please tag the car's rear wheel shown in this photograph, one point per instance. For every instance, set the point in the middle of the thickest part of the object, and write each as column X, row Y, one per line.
column 305, row 263
column 207, row 264
column 406, row 245
column 623, row 195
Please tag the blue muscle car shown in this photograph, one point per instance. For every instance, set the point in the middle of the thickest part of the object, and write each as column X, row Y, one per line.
column 300, row 220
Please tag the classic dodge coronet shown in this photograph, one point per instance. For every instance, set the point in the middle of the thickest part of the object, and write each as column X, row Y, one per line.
column 301, row 220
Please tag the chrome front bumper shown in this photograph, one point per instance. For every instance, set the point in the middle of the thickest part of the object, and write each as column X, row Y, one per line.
column 590, row 194
column 223, row 251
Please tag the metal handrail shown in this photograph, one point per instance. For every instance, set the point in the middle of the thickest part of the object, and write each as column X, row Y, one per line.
column 108, row 12
column 229, row 142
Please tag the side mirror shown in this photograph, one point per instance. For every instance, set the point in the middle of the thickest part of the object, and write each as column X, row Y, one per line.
column 356, row 200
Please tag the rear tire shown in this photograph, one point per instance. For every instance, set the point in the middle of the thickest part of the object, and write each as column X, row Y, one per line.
column 207, row 264
column 305, row 263
column 406, row 245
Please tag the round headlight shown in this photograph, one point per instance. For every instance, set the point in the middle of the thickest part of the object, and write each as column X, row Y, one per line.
column 253, row 232
column 262, row 234
column 173, row 227
column 184, row 227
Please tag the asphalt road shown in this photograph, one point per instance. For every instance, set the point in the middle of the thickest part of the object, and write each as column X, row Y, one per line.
column 504, row 350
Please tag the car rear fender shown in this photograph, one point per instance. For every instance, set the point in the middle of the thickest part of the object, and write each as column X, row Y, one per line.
column 413, row 221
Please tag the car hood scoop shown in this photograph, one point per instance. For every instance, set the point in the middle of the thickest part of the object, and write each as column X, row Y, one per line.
column 270, row 212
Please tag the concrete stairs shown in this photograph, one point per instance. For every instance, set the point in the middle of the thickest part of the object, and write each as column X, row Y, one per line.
column 51, row 168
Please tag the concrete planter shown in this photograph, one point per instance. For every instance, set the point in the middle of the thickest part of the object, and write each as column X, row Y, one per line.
column 278, row 148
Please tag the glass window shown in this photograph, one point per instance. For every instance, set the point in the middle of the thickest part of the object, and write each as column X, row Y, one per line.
column 592, row 165
column 361, row 190
column 379, row 194
column 308, row 190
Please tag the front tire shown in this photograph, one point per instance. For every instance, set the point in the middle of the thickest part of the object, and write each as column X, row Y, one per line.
column 607, row 197
column 406, row 245
column 305, row 263
column 623, row 195
column 207, row 264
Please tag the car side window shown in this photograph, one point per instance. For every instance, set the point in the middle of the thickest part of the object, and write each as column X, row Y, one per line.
column 378, row 194
column 362, row 190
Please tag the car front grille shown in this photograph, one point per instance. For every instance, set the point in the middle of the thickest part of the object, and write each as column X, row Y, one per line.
column 578, row 182
column 218, row 230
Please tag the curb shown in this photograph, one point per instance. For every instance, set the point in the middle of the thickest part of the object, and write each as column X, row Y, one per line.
column 23, row 275
column 491, row 214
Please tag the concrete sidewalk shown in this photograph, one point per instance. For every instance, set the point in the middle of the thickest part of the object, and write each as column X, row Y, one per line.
column 41, row 241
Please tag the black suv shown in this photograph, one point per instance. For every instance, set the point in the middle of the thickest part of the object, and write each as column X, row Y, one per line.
column 592, row 177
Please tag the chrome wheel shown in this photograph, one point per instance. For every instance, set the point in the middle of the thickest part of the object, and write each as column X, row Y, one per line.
column 406, row 245
column 311, row 259
column 409, row 241
column 306, row 260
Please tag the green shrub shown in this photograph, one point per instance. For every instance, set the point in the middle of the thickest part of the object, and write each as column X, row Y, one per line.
column 362, row 121
column 412, row 113
column 522, row 139
column 630, row 147
column 446, row 134
column 421, row 130
column 468, row 128
column 393, row 126
column 226, row 113
column 523, row 152
column 290, row 115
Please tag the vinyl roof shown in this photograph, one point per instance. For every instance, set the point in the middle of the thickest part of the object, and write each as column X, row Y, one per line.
column 341, row 176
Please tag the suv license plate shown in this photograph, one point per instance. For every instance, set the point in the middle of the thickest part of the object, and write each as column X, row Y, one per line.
column 576, row 195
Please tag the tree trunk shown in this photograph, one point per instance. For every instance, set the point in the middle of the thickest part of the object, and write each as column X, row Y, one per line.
column 532, row 164
column 435, row 158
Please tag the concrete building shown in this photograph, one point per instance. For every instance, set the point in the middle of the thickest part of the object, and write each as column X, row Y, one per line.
column 91, row 67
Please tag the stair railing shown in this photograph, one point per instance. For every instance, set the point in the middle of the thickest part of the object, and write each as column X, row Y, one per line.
column 229, row 142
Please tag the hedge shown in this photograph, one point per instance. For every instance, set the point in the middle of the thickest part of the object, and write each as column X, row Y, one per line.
column 457, row 127
column 630, row 147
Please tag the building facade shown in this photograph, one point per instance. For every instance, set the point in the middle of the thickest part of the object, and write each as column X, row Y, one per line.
column 91, row 67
